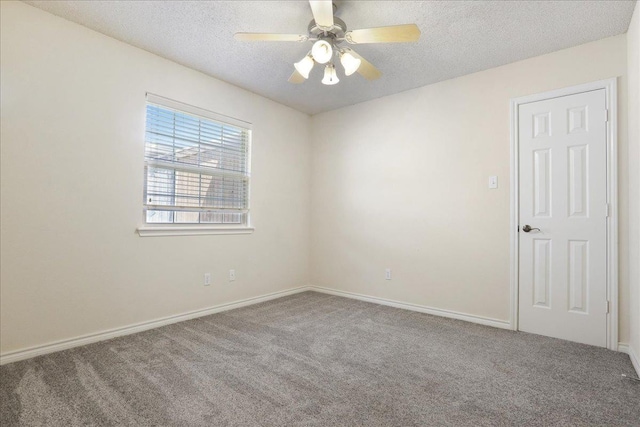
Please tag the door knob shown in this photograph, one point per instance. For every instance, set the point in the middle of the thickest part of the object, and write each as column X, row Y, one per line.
column 527, row 228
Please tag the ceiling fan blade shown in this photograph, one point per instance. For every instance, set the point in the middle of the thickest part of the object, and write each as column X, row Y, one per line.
column 268, row 37
column 296, row 78
column 322, row 12
column 366, row 68
column 393, row 34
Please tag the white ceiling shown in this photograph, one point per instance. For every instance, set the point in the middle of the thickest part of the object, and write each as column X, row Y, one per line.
column 458, row 38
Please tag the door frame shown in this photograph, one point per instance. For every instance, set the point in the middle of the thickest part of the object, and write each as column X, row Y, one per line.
column 611, row 100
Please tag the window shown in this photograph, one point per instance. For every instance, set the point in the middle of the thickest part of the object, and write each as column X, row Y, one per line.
column 196, row 167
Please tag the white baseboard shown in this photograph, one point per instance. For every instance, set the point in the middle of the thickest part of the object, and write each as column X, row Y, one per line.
column 14, row 356
column 635, row 360
column 53, row 347
column 487, row 321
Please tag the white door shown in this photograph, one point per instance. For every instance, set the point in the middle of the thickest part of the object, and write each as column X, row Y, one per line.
column 563, row 177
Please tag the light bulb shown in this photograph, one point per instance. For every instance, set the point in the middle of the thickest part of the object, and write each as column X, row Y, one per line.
column 350, row 63
column 330, row 76
column 304, row 66
column 321, row 51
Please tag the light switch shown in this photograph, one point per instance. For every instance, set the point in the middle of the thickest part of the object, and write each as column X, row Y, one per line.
column 493, row 182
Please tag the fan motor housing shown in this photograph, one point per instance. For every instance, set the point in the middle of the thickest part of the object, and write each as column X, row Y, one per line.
column 337, row 31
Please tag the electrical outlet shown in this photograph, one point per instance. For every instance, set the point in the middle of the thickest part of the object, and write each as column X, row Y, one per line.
column 232, row 275
column 387, row 274
column 207, row 279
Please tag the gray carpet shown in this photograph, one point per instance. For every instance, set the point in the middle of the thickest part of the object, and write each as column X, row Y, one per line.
column 318, row 360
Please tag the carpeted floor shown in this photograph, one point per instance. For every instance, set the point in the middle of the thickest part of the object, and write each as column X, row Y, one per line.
column 317, row 360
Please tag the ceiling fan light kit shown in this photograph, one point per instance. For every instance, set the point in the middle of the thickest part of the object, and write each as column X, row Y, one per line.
column 327, row 32
column 304, row 66
column 349, row 62
column 330, row 76
column 322, row 51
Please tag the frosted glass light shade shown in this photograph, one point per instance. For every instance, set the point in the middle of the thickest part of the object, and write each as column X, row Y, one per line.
column 330, row 76
column 321, row 52
column 304, row 66
column 350, row 63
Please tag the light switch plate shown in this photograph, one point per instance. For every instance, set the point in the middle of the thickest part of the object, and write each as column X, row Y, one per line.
column 493, row 182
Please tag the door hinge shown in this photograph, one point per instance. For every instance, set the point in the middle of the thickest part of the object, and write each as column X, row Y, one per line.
column 606, row 115
column 608, row 210
column 608, row 307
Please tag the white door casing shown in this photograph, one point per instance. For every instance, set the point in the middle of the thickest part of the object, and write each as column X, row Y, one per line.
column 562, row 145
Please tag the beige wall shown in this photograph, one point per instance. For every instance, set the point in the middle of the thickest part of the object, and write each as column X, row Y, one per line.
column 401, row 182
column 73, row 105
column 633, row 58
column 397, row 182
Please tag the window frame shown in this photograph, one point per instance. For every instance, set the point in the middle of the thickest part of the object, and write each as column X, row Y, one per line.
column 182, row 229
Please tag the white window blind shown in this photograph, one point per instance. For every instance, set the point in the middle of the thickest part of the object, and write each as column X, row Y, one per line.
column 196, row 166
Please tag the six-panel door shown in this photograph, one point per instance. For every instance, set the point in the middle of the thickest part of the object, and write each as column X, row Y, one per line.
column 562, row 155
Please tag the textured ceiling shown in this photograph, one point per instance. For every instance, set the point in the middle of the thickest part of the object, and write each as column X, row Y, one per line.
column 458, row 38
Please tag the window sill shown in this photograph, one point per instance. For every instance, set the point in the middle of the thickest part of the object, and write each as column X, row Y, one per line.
column 151, row 231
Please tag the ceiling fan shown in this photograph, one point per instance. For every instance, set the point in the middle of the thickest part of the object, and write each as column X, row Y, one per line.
column 328, row 33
